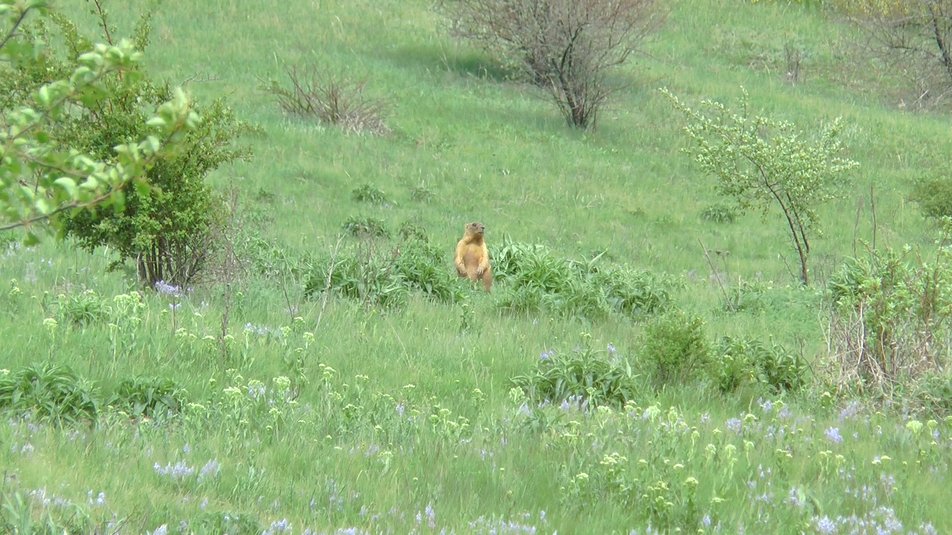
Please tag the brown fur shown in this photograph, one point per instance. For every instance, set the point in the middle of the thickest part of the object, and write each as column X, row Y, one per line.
column 472, row 256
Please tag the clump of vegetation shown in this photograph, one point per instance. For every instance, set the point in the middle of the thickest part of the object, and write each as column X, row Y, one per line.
column 83, row 308
column 411, row 231
column 675, row 348
column 421, row 193
column 568, row 47
column 365, row 227
column 934, row 196
column 148, row 397
column 536, row 280
column 386, row 277
column 890, row 317
column 332, row 100
column 719, row 213
column 738, row 362
column 49, row 392
column 423, row 267
column 369, row 279
column 583, row 378
column 370, row 194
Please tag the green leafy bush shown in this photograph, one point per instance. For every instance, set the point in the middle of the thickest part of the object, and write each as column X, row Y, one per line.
column 80, row 309
column 890, row 317
column 365, row 227
column 761, row 162
column 674, row 347
column 386, row 277
column 370, row 280
column 148, row 397
column 934, row 196
column 50, row 392
column 584, row 377
column 370, row 194
column 719, row 213
column 45, row 102
column 736, row 362
column 164, row 222
column 536, row 279
column 423, row 267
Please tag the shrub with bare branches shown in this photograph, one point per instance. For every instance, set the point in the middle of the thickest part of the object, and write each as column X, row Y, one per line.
column 331, row 99
column 913, row 36
column 565, row 46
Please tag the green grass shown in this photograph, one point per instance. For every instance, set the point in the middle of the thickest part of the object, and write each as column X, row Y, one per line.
column 410, row 411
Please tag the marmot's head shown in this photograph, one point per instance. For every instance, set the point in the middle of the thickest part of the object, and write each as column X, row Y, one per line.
column 475, row 229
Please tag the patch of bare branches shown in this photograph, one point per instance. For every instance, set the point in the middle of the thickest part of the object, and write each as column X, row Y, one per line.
column 331, row 100
column 565, row 46
column 914, row 37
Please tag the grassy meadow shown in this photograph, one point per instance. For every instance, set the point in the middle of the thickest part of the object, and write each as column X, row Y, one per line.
column 319, row 414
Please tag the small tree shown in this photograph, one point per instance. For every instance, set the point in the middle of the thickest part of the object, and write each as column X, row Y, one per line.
column 166, row 224
column 44, row 177
column 565, row 46
column 762, row 162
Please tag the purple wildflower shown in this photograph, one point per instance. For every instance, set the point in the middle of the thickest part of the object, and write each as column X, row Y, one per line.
column 210, row 469
column 825, row 526
column 833, row 435
column 165, row 288
column 735, row 425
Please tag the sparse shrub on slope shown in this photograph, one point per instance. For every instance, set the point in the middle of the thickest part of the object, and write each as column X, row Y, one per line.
column 567, row 47
column 330, row 99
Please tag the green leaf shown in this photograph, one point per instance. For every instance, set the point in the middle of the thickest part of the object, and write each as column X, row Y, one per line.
column 69, row 185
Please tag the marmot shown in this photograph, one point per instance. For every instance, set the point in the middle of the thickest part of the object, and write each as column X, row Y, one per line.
column 472, row 256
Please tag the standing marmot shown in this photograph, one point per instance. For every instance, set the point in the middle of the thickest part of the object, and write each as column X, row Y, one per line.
column 472, row 256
